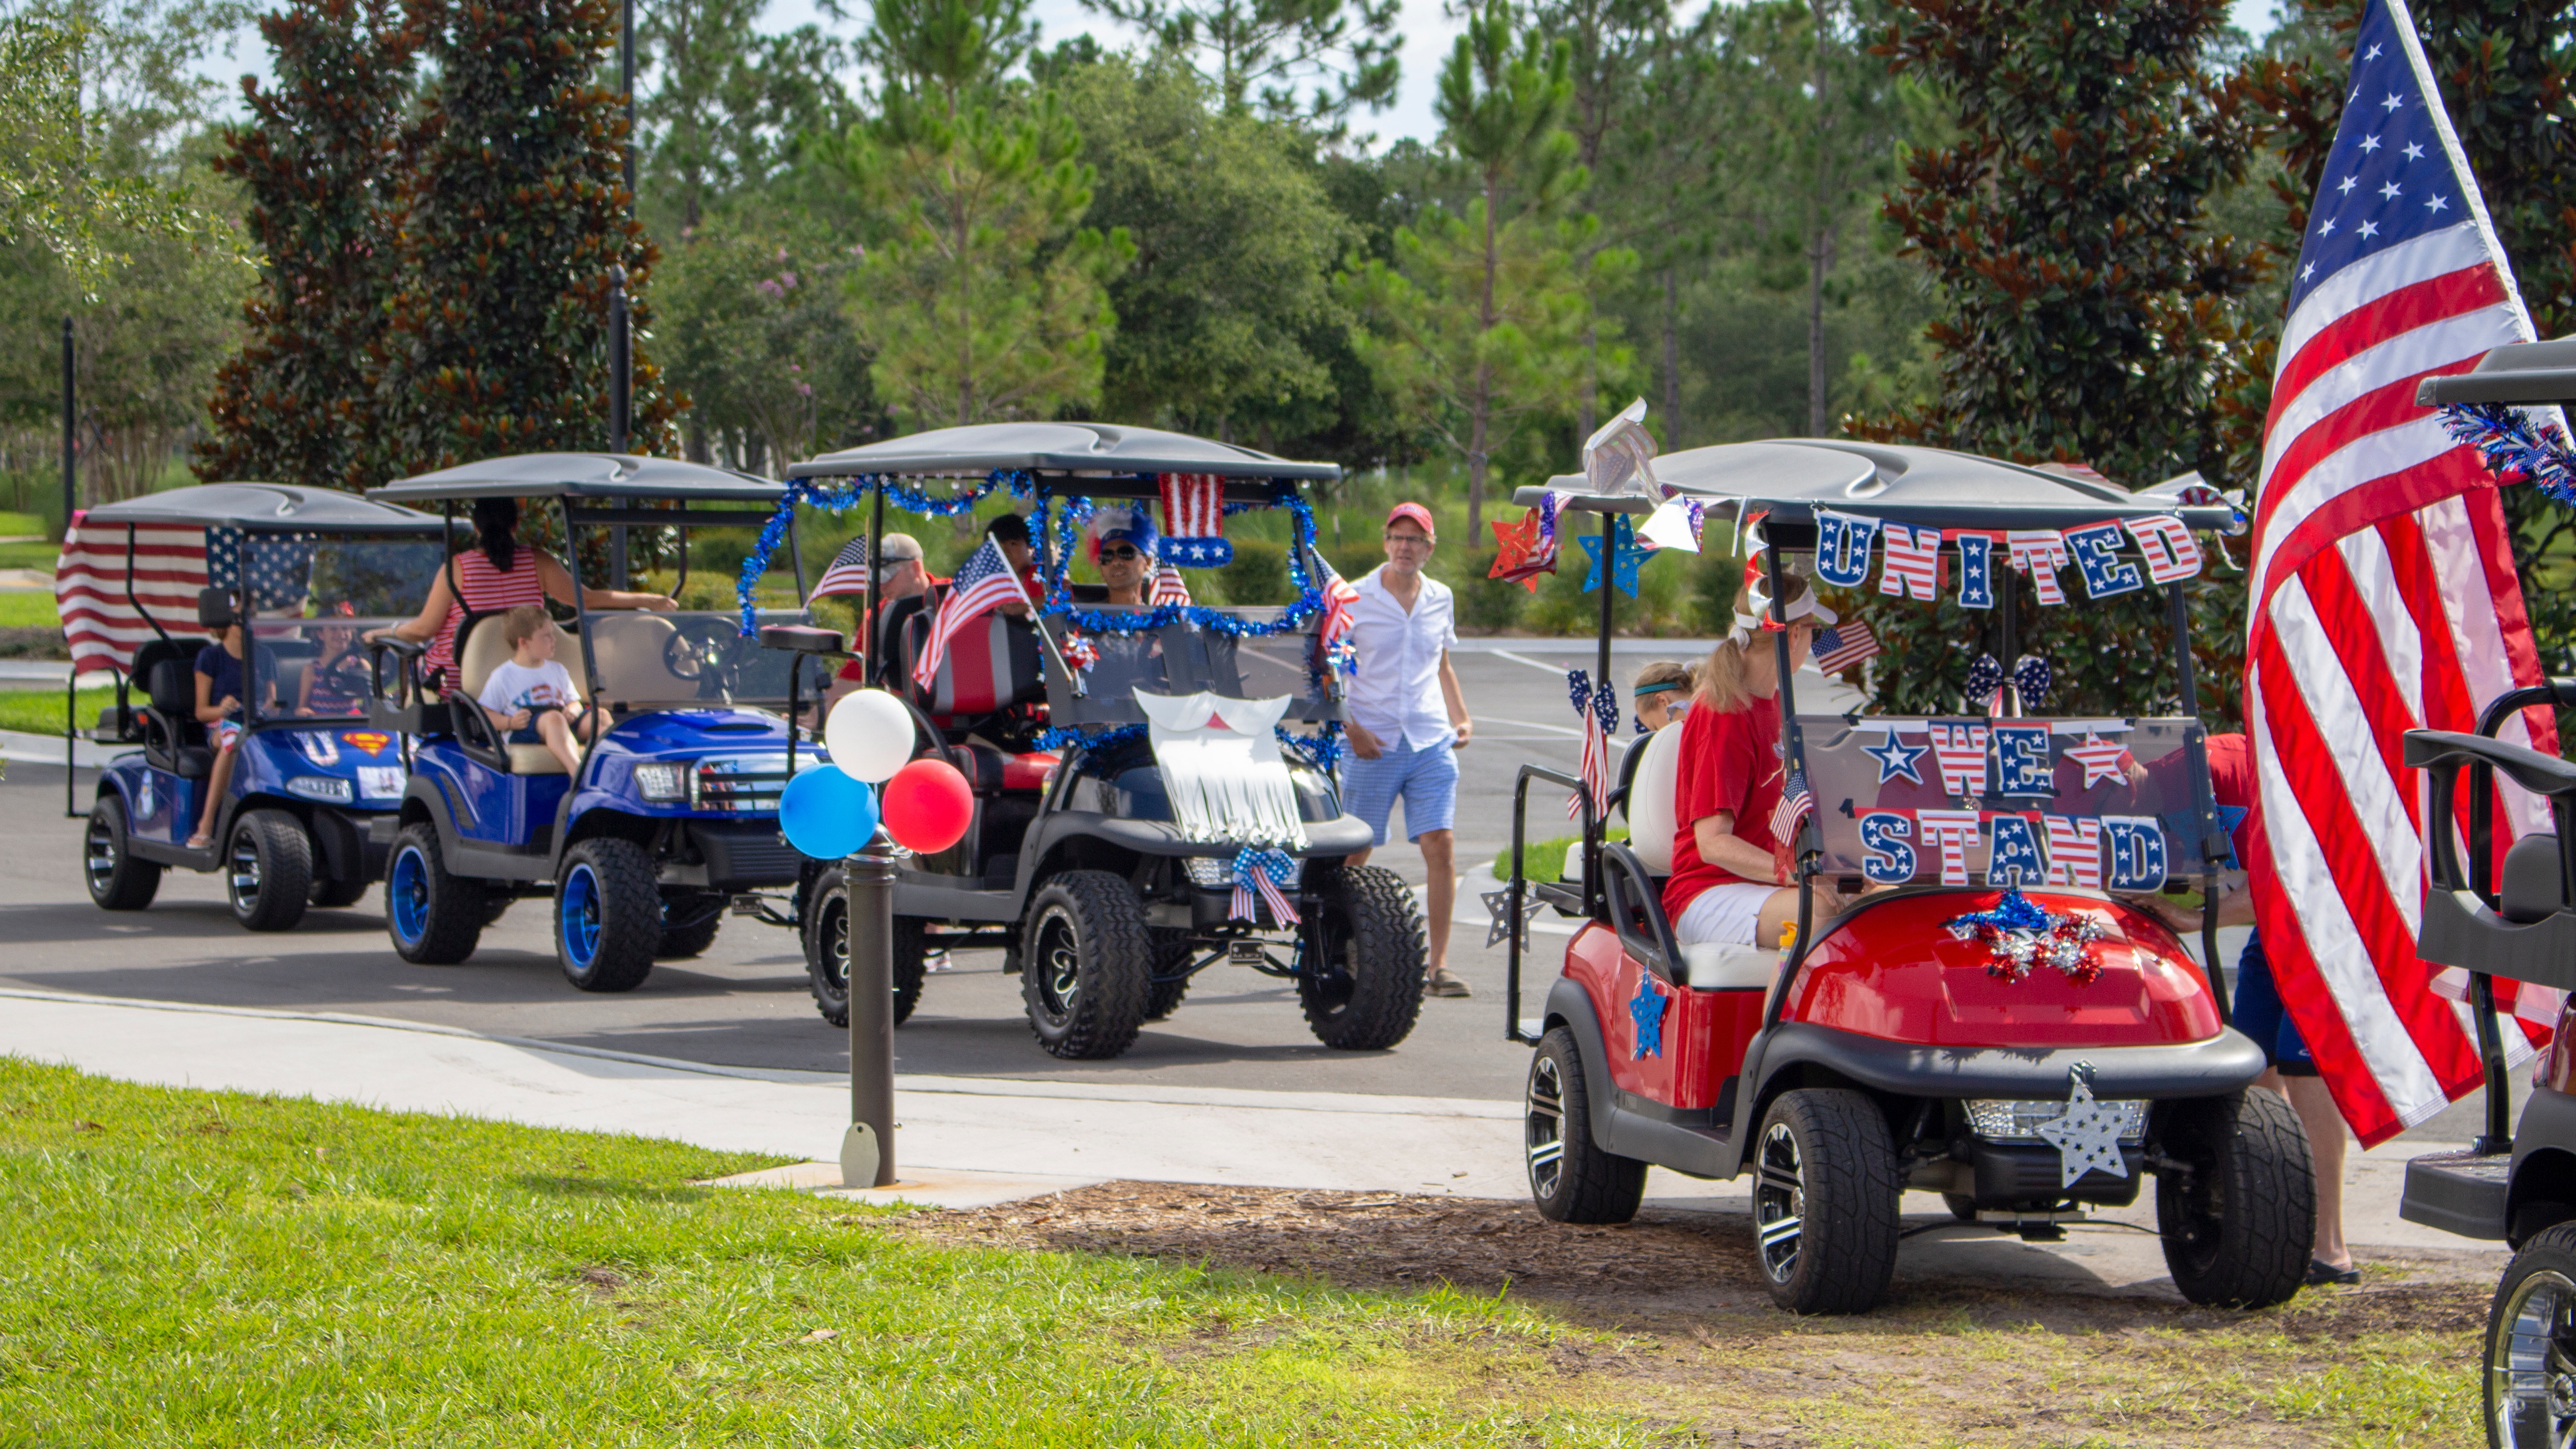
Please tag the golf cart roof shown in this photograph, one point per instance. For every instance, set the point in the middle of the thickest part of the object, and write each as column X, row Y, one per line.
column 264, row 508
column 582, row 475
column 1099, row 451
column 2518, row 372
column 1793, row 477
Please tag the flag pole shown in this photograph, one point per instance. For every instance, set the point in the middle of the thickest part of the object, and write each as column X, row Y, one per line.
column 71, row 490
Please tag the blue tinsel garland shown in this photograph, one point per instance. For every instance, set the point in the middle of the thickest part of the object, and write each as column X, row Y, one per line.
column 2516, row 445
column 836, row 495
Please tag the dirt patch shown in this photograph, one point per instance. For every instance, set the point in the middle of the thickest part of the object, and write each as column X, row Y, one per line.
column 42, row 641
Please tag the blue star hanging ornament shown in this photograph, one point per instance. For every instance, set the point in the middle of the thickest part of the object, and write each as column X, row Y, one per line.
column 1625, row 556
column 1498, row 905
column 1896, row 759
column 1646, row 1008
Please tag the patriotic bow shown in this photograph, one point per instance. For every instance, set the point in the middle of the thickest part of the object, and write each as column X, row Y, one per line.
column 2035, row 678
column 1262, row 872
column 1599, row 708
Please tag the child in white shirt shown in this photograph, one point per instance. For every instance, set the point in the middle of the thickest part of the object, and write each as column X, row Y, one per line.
column 530, row 698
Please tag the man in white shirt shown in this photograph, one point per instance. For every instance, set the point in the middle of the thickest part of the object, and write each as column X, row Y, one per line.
column 1407, row 717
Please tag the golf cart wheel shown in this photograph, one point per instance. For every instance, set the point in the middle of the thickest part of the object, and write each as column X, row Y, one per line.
column 1086, row 966
column 1824, row 1201
column 268, row 870
column 1362, row 960
column 435, row 918
column 1171, row 958
column 2531, row 1346
column 827, row 952
column 2238, row 1209
column 608, row 915
column 118, row 881
column 332, row 894
column 1571, row 1178
column 678, row 943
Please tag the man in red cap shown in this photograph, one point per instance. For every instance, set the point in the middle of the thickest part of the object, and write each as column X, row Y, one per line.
column 1408, row 717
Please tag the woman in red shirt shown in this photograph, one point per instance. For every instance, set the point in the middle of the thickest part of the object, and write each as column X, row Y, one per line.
column 1729, row 884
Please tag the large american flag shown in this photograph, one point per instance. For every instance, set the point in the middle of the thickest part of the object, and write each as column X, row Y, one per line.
column 985, row 583
column 104, row 628
column 2384, row 590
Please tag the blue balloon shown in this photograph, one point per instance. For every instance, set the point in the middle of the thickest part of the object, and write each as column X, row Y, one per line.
column 826, row 814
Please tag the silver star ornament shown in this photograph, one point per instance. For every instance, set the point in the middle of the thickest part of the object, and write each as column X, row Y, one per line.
column 2086, row 1134
column 1498, row 905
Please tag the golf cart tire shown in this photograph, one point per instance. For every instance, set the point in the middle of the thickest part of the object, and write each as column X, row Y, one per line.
column 686, row 941
column 827, row 952
column 277, row 848
column 2250, row 1148
column 118, row 880
column 1171, row 958
column 2544, row 1270
column 1384, row 964
column 450, row 910
column 1111, row 955
column 1589, row 1185
column 1847, row 1221
column 331, row 895
column 628, row 904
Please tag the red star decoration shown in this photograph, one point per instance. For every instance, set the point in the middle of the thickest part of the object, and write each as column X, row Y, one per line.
column 1519, row 558
column 2101, row 760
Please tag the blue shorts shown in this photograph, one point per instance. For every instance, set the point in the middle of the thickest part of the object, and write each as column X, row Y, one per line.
column 1427, row 779
column 2260, row 1015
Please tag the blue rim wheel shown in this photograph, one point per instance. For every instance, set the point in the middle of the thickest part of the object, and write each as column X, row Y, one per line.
column 407, row 893
column 580, row 915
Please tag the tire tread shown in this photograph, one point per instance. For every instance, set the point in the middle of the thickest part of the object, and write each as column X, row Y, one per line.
column 630, row 915
column 1594, row 1185
column 456, row 904
column 1392, row 961
column 1112, row 928
column 285, row 870
column 1847, row 1251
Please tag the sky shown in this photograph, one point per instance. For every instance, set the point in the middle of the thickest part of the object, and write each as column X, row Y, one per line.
column 1428, row 35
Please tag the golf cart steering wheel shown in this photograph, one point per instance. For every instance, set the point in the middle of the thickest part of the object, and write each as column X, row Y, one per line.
column 698, row 648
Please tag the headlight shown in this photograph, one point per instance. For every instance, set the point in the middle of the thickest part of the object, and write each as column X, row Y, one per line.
column 1210, row 872
column 320, row 787
column 2021, row 1121
column 662, row 781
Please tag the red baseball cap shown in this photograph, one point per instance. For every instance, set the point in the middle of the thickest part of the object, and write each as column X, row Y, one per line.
column 1419, row 515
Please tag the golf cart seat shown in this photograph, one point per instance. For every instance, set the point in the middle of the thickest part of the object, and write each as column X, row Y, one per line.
column 993, row 771
column 991, row 667
column 1638, row 869
column 485, row 650
column 168, row 671
column 2530, row 888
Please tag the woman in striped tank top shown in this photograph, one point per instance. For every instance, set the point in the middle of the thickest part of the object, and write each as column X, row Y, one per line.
column 497, row 574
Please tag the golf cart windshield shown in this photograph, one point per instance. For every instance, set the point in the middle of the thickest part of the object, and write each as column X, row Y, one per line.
column 310, row 576
column 2107, row 803
column 692, row 658
column 1184, row 658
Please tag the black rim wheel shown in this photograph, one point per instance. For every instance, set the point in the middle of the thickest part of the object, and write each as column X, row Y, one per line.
column 1058, row 963
column 1543, row 1134
column 241, row 871
column 1779, row 1201
column 101, row 851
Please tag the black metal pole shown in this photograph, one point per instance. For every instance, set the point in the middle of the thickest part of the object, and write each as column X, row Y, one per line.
column 71, row 489
column 2204, row 808
column 621, row 379
column 1792, row 762
column 1596, row 830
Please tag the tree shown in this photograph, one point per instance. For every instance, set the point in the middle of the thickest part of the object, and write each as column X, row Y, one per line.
column 319, row 164
column 727, row 104
column 1345, row 50
column 506, row 226
column 1479, row 320
column 982, row 297
column 757, row 332
column 2087, row 302
column 1220, row 314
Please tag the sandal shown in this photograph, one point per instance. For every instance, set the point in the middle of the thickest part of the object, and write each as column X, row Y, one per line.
column 201, row 841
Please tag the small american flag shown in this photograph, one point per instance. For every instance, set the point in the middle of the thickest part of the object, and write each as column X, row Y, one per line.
column 1261, row 872
column 849, row 571
column 1595, row 770
column 1168, row 587
column 1844, row 645
column 1797, row 802
column 1339, row 595
column 984, row 584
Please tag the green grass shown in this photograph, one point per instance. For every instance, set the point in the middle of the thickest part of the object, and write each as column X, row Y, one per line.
column 41, row 710
column 1547, row 857
column 20, row 525
column 183, row 1267
column 29, row 555
column 28, row 609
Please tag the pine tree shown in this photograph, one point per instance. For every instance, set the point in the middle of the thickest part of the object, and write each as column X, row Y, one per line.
column 319, row 162
column 505, row 228
column 2088, row 303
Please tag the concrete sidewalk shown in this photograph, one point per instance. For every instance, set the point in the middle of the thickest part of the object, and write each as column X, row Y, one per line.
column 971, row 1141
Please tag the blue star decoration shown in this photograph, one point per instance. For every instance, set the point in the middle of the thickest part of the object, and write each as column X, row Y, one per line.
column 1625, row 556
column 1646, row 1009
column 1896, row 758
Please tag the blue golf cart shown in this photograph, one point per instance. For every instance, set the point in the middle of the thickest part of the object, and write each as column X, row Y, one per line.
column 310, row 570
column 672, row 815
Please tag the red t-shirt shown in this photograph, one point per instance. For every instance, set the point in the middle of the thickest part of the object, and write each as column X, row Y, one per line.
column 1730, row 760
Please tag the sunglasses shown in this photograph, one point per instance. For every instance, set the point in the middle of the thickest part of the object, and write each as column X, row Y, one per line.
column 1121, row 553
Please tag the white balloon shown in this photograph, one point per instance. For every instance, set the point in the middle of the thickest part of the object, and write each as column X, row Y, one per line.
column 869, row 734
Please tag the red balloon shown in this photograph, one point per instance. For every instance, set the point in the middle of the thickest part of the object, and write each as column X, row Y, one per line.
column 928, row 806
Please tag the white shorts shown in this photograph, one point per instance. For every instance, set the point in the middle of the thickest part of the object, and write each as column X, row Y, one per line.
column 1727, row 915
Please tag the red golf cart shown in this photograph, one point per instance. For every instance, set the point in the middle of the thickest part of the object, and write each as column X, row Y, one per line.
column 1994, row 1018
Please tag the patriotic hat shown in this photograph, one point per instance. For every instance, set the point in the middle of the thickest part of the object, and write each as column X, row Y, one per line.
column 1194, row 521
column 1126, row 523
